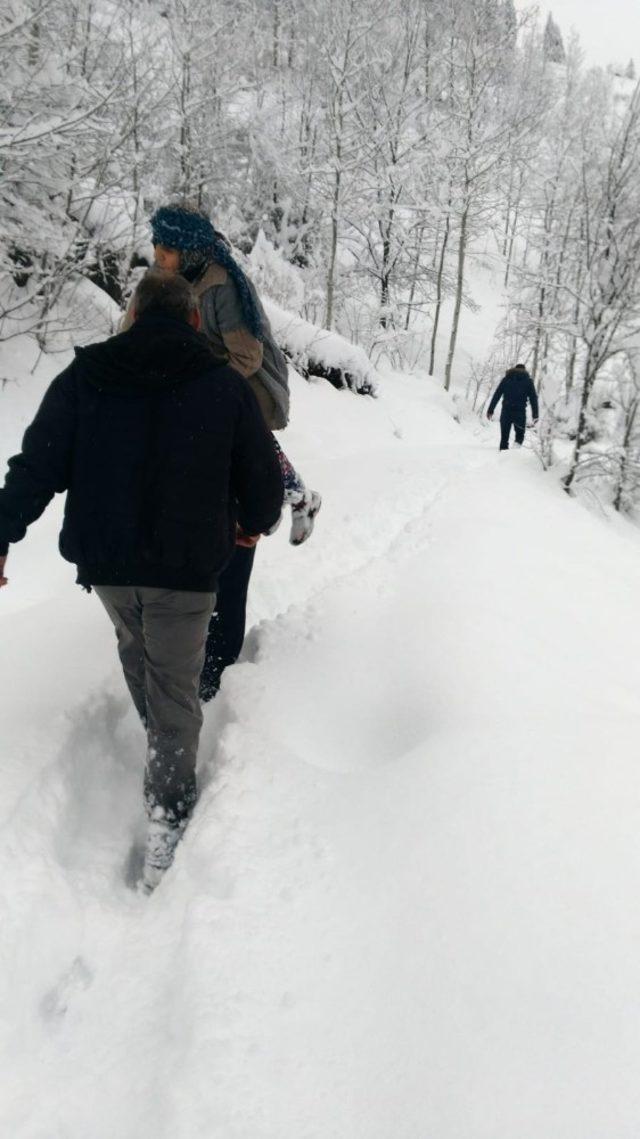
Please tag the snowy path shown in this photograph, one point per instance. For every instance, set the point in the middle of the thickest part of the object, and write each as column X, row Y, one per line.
column 407, row 903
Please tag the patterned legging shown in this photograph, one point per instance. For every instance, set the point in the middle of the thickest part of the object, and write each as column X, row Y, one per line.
column 294, row 486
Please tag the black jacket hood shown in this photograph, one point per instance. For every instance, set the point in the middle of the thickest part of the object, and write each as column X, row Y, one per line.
column 521, row 373
column 158, row 352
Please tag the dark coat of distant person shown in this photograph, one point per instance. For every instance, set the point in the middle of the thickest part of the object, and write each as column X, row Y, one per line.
column 515, row 390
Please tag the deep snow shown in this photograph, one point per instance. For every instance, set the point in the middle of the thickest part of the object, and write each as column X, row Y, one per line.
column 407, row 905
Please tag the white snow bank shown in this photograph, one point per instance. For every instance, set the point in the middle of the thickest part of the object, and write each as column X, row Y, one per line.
column 315, row 351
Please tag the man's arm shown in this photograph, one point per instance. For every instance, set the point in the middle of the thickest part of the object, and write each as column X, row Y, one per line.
column 533, row 400
column 497, row 395
column 43, row 466
column 256, row 478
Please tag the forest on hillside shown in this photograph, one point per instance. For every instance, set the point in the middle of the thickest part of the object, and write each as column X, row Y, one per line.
column 365, row 156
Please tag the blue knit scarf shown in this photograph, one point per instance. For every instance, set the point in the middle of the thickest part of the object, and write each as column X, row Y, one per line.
column 192, row 233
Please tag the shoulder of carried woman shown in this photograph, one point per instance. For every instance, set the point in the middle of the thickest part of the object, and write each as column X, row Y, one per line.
column 214, row 275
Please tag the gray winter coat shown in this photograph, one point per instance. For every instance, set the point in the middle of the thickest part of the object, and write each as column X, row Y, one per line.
column 260, row 362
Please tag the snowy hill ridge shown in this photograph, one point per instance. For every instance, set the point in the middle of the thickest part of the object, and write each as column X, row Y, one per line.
column 407, row 902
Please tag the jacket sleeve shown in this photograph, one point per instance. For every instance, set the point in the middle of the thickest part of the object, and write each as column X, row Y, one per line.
column 43, row 466
column 533, row 400
column 497, row 395
column 244, row 351
column 256, row 478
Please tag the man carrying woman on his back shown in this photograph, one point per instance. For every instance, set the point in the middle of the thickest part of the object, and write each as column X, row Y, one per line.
column 239, row 335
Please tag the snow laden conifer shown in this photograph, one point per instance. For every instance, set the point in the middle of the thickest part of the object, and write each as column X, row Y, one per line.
column 553, row 44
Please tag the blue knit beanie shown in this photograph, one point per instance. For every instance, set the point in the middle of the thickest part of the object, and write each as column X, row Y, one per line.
column 179, row 227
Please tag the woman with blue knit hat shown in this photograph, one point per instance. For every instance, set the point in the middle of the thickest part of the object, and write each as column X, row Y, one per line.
column 239, row 334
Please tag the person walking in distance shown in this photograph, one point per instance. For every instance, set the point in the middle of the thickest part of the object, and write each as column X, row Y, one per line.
column 166, row 460
column 515, row 390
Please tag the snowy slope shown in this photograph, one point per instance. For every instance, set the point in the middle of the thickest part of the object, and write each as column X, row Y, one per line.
column 407, row 903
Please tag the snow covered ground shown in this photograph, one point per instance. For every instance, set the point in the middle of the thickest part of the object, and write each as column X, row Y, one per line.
column 407, row 905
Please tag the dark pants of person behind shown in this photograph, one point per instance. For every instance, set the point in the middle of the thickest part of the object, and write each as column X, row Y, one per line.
column 161, row 641
column 509, row 419
column 227, row 626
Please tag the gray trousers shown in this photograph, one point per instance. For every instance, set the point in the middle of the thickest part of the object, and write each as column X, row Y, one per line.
column 162, row 635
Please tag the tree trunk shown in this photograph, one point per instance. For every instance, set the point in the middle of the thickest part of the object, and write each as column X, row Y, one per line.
column 414, row 278
column 385, row 271
column 331, row 273
column 462, row 253
column 590, row 374
column 540, row 316
column 628, row 432
column 185, row 127
column 505, row 242
column 439, row 279
column 514, row 230
column 276, row 33
column 384, row 284
column 34, row 45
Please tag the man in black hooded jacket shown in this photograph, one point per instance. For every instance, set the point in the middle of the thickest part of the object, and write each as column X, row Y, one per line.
column 166, row 459
column 515, row 390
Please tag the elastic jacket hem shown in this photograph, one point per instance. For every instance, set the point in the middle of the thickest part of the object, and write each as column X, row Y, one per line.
column 149, row 577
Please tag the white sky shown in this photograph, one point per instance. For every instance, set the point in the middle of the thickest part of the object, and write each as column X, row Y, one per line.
column 609, row 32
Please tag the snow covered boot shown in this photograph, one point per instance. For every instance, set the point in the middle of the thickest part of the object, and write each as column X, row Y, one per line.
column 303, row 515
column 162, row 840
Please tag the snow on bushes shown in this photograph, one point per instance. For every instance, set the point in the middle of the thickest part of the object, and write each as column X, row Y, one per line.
column 313, row 351
column 317, row 352
column 272, row 274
